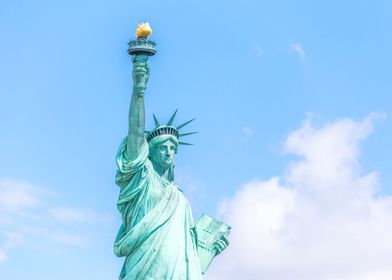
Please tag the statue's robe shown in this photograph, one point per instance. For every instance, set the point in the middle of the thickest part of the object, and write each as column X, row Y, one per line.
column 157, row 236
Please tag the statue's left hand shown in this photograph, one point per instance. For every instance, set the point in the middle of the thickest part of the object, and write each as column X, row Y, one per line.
column 220, row 245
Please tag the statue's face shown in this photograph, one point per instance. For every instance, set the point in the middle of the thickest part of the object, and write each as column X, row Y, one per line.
column 165, row 153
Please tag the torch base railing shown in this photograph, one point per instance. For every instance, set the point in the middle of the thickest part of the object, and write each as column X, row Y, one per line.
column 142, row 46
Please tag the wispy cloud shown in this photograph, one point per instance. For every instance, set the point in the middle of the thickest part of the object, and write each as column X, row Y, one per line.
column 25, row 215
column 324, row 210
column 298, row 49
column 12, row 239
column 72, row 215
column 16, row 196
column 248, row 131
column 75, row 215
column 3, row 256
column 258, row 50
column 193, row 188
column 68, row 239
column 16, row 199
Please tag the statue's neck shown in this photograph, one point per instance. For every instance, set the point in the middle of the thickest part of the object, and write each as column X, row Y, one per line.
column 164, row 172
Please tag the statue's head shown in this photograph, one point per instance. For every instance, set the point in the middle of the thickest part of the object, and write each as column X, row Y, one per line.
column 162, row 150
column 163, row 141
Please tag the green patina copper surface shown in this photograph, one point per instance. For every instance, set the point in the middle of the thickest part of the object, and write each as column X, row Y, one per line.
column 158, row 236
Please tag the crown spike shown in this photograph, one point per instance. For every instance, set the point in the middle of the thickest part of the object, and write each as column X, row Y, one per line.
column 170, row 122
column 184, row 143
column 184, row 124
column 156, row 121
column 168, row 129
column 185, row 134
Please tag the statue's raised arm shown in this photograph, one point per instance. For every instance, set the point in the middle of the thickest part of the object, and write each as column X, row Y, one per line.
column 140, row 75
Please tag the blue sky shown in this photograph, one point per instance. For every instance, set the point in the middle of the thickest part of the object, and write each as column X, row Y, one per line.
column 251, row 72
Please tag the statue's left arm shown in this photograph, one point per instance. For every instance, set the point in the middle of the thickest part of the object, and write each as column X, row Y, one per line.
column 132, row 152
column 140, row 74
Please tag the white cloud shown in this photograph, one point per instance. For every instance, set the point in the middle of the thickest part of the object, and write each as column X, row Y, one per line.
column 17, row 199
column 3, row 256
column 298, row 49
column 68, row 239
column 73, row 215
column 193, row 189
column 16, row 196
column 26, row 218
column 68, row 215
column 323, row 220
column 12, row 239
column 248, row 131
column 258, row 50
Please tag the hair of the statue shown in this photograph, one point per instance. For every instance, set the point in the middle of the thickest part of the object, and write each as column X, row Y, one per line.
column 153, row 150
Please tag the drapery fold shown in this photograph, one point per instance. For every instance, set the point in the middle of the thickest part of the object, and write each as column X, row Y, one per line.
column 156, row 236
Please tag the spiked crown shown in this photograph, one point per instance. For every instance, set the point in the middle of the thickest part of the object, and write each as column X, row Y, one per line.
column 168, row 129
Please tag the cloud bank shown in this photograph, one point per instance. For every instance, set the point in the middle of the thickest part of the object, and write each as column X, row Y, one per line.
column 324, row 219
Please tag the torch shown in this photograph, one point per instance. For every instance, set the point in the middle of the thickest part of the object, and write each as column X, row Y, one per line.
column 141, row 45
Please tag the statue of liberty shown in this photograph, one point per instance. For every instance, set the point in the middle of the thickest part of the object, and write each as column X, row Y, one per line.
column 158, row 236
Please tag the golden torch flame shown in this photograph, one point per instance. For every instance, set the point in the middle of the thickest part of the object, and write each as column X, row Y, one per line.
column 143, row 30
